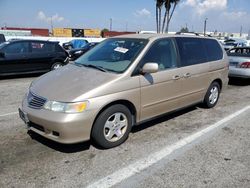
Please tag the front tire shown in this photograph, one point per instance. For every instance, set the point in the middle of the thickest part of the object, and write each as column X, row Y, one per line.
column 112, row 126
column 212, row 95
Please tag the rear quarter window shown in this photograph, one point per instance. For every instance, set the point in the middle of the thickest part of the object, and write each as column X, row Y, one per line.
column 192, row 51
column 58, row 48
column 213, row 49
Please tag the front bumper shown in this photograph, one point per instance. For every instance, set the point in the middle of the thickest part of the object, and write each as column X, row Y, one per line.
column 239, row 72
column 60, row 127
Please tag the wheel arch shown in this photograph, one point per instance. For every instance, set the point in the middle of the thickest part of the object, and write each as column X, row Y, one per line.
column 126, row 103
column 57, row 60
column 219, row 81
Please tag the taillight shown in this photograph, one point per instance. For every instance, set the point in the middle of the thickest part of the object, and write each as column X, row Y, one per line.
column 245, row 65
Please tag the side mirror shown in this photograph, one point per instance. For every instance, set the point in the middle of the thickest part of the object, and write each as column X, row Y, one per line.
column 150, row 68
column 2, row 54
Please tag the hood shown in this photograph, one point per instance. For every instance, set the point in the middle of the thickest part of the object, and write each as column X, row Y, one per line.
column 70, row 82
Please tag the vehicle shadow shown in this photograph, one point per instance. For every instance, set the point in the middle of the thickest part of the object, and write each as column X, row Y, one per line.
column 64, row 148
column 163, row 118
column 239, row 81
column 20, row 76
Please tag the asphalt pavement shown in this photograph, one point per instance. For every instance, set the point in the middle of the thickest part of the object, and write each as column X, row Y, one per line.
column 220, row 158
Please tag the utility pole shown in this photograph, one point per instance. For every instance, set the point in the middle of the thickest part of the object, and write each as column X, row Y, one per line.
column 205, row 26
column 241, row 31
column 110, row 24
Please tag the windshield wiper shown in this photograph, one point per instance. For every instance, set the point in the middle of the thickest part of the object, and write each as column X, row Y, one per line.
column 95, row 67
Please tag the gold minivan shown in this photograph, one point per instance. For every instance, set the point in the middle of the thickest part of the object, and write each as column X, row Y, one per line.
column 122, row 82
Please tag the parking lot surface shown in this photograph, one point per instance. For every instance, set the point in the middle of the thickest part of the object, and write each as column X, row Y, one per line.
column 219, row 159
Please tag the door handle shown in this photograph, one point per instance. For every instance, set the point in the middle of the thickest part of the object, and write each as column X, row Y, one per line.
column 187, row 75
column 176, row 77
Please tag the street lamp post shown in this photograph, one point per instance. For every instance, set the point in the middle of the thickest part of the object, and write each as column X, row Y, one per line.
column 110, row 24
column 205, row 26
column 51, row 25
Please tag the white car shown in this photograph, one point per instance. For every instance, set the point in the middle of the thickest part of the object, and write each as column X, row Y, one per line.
column 239, row 62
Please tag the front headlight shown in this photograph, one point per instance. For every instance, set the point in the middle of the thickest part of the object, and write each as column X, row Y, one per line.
column 76, row 107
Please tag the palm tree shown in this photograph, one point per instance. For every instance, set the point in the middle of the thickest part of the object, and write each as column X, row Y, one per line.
column 157, row 17
column 167, row 16
column 169, row 13
column 159, row 4
column 167, row 7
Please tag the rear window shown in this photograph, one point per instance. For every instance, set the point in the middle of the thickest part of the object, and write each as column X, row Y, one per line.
column 214, row 51
column 192, row 51
column 239, row 51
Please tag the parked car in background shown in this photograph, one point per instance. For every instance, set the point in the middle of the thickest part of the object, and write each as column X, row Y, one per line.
column 75, row 53
column 232, row 43
column 73, row 44
column 2, row 38
column 31, row 56
column 239, row 59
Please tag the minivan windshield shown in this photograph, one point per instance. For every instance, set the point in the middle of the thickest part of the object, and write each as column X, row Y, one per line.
column 113, row 55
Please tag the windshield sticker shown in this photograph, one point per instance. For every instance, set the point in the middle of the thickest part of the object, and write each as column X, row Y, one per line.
column 121, row 50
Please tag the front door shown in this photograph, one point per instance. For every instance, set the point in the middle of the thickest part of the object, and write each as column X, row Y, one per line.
column 160, row 90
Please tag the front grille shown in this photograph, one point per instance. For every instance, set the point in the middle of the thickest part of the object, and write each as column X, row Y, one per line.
column 35, row 101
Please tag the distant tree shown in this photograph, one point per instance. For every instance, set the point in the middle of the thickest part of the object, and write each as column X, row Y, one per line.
column 184, row 30
column 105, row 30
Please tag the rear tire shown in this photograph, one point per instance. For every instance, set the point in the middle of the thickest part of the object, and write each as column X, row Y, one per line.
column 112, row 126
column 212, row 95
column 56, row 65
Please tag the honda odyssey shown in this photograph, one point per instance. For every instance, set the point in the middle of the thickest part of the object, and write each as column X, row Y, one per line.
column 122, row 82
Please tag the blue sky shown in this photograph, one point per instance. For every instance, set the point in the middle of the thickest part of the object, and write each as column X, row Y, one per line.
column 223, row 15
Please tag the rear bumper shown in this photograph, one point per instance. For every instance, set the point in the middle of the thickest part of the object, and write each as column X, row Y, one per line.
column 239, row 72
column 59, row 127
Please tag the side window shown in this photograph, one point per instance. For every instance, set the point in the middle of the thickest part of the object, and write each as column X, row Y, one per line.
column 192, row 51
column 238, row 51
column 42, row 47
column 214, row 51
column 17, row 48
column 247, row 51
column 162, row 52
